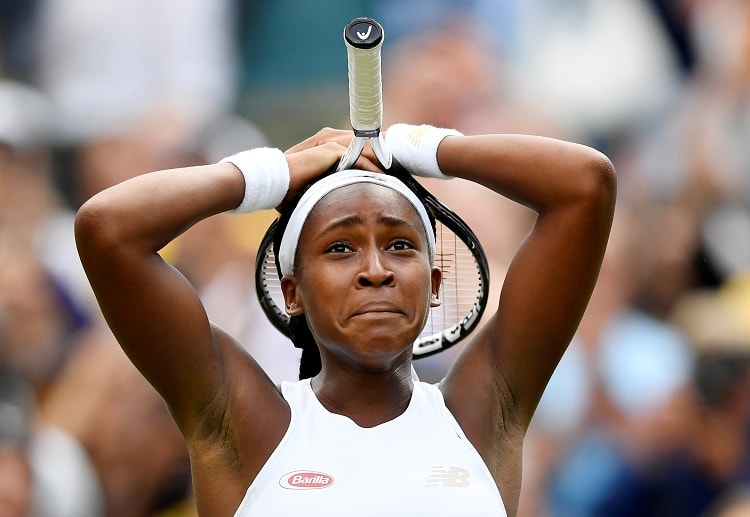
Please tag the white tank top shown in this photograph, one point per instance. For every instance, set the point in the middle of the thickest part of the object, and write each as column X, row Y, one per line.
column 420, row 463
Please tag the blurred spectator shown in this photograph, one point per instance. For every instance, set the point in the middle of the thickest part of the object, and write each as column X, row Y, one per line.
column 452, row 76
column 105, row 444
column 132, row 82
column 34, row 331
column 26, row 117
column 18, row 38
column 694, row 449
column 597, row 67
column 734, row 504
column 616, row 399
column 39, row 308
column 693, row 159
column 15, row 482
column 675, row 16
column 601, row 67
column 16, row 410
column 108, row 67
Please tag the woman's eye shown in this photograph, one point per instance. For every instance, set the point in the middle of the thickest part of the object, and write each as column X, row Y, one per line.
column 338, row 247
column 401, row 245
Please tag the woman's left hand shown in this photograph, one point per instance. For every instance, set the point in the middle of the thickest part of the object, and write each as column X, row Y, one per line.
column 317, row 154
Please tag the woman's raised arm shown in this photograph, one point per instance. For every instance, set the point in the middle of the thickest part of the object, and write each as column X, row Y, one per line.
column 153, row 311
column 505, row 367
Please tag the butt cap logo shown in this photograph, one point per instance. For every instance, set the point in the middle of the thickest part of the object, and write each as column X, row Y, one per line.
column 305, row 480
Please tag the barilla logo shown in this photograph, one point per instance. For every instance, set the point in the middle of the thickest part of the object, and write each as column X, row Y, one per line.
column 305, row 480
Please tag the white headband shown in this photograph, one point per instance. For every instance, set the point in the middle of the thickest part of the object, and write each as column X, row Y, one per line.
column 290, row 239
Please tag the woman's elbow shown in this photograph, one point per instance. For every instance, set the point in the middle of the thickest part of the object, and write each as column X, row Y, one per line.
column 599, row 179
column 94, row 227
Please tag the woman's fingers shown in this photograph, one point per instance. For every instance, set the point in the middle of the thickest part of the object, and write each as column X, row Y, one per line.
column 342, row 137
column 307, row 164
column 325, row 135
column 319, row 153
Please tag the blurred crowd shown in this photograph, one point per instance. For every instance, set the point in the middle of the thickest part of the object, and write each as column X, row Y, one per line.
column 648, row 413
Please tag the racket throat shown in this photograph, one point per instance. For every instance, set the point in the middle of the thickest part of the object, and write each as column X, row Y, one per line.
column 351, row 154
column 358, row 144
column 381, row 151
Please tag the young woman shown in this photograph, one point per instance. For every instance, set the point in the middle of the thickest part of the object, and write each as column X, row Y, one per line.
column 361, row 436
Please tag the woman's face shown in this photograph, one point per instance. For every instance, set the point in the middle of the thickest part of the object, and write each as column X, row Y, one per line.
column 363, row 275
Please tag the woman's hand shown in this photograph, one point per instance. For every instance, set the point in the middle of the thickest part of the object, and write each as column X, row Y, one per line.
column 316, row 155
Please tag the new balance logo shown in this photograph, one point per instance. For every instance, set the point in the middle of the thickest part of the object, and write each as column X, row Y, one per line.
column 450, row 477
column 415, row 137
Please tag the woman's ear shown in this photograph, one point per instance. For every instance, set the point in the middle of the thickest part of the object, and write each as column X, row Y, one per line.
column 437, row 278
column 292, row 300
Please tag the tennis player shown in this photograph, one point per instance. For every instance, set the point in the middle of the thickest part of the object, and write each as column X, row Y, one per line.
column 361, row 436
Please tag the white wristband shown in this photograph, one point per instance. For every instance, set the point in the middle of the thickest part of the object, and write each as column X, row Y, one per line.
column 266, row 174
column 415, row 147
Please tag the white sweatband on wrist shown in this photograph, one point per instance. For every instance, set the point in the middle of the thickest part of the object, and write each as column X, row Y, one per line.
column 266, row 174
column 415, row 147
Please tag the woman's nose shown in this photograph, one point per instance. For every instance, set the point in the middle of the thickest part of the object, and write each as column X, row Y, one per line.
column 374, row 271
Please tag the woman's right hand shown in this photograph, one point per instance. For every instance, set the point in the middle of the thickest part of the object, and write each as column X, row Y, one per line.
column 316, row 155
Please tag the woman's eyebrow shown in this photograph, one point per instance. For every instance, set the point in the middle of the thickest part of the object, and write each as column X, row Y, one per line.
column 343, row 222
column 393, row 221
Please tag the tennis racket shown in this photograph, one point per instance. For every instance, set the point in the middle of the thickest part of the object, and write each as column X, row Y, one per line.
column 465, row 286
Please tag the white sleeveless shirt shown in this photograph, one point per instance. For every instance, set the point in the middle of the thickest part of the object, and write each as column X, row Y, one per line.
column 420, row 463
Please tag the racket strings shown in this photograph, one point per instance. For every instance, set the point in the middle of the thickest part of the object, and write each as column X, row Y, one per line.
column 271, row 284
column 461, row 284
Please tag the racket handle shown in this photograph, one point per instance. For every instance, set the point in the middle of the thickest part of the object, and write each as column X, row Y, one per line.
column 364, row 38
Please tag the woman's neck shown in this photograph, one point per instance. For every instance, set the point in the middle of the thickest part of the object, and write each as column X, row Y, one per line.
column 368, row 398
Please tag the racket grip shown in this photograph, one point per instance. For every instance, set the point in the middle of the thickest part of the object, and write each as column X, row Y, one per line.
column 364, row 38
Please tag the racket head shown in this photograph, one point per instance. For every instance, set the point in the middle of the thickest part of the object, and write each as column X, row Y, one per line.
column 464, row 289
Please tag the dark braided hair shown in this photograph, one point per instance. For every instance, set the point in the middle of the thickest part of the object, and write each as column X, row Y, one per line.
column 301, row 335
